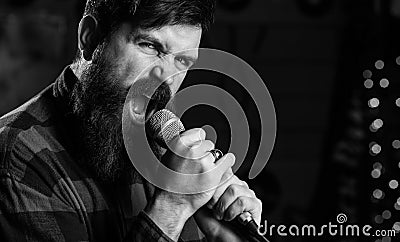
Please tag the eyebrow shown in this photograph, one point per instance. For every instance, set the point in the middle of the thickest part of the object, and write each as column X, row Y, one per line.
column 155, row 41
column 160, row 46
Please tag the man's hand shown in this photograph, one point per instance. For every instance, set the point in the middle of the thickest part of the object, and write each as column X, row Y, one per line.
column 230, row 199
column 190, row 155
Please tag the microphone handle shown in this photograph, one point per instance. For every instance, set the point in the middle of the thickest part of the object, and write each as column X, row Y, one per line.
column 246, row 222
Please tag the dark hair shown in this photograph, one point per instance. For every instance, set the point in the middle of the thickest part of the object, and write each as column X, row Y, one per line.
column 151, row 14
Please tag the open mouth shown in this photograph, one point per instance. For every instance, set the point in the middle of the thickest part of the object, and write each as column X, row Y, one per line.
column 142, row 108
column 158, row 100
column 147, row 99
column 138, row 108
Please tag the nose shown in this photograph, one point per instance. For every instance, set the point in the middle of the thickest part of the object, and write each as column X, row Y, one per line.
column 164, row 72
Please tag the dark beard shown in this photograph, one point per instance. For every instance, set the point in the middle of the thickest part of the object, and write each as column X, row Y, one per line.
column 98, row 100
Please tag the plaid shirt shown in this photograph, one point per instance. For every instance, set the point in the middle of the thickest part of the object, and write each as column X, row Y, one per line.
column 45, row 195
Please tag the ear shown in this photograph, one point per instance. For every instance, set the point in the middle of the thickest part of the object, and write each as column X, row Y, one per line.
column 88, row 33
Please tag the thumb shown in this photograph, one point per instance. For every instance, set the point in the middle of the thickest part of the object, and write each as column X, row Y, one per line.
column 192, row 137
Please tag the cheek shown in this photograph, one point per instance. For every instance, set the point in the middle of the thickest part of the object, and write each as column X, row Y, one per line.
column 128, row 72
column 129, row 63
column 178, row 80
column 133, row 69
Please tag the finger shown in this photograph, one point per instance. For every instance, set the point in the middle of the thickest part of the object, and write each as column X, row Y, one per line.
column 246, row 185
column 227, row 179
column 209, row 159
column 201, row 149
column 228, row 197
column 232, row 179
column 228, row 175
column 244, row 204
column 191, row 137
column 226, row 158
column 221, row 166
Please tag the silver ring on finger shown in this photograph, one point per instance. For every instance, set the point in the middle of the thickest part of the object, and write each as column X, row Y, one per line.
column 216, row 153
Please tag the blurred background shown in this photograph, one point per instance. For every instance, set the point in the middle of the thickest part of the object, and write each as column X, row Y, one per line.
column 331, row 67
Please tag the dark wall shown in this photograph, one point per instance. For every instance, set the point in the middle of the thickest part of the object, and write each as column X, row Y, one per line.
column 37, row 39
column 295, row 50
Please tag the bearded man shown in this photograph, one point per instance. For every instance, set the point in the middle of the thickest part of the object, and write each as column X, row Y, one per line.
column 64, row 172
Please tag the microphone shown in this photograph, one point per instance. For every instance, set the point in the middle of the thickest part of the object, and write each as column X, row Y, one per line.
column 164, row 126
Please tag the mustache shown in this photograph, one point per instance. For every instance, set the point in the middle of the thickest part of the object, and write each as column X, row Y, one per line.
column 159, row 99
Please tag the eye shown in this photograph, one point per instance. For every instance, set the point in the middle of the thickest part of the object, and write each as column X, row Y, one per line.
column 149, row 45
column 183, row 61
column 149, row 48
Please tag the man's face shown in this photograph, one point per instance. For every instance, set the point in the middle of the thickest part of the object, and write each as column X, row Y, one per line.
column 159, row 53
column 130, row 58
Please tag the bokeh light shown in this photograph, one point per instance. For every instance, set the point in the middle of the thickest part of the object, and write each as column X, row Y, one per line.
column 376, row 173
column 376, row 124
column 375, row 148
column 398, row 102
column 367, row 74
column 379, row 64
column 393, row 184
column 378, row 194
column 396, row 226
column 396, row 144
column 368, row 83
column 373, row 102
column 384, row 83
column 378, row 219
column 377, row 165
column 386, row 214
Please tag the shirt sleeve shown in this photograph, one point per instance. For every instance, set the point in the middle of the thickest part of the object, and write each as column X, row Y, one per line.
column 29, row 213
column 26, row 214
column 40, row 201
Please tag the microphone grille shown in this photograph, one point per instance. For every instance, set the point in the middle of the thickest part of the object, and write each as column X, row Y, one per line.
column 165, row 126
